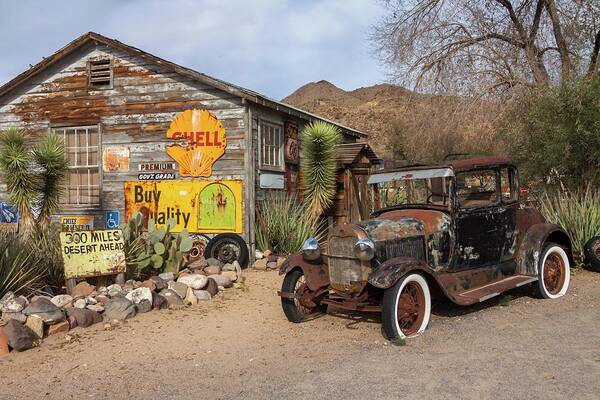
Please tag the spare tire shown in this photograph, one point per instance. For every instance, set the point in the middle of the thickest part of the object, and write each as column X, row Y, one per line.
column 227, row 248
column 591, row 252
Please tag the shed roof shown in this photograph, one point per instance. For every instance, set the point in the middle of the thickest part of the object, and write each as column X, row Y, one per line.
column 244, row 93
column 348, row 153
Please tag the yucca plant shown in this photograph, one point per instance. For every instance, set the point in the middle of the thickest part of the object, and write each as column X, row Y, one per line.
column 577, row 212
column 319, row 150
column 33, row 177
column 283, row 224
column 22, row 269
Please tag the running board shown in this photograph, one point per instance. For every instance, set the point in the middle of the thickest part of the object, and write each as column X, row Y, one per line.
column 494, row 289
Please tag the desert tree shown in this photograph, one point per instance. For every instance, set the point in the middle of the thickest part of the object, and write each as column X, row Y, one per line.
column 34, row 177
column 488, row 46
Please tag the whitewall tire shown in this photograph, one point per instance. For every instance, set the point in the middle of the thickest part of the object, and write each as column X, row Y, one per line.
column 406, row 307
column 554, row 272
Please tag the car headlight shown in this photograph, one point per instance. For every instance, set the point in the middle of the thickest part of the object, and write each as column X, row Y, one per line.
column 364, row 249
column 311, row 250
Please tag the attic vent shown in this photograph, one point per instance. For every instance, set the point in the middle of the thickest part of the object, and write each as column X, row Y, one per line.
column 100, row 74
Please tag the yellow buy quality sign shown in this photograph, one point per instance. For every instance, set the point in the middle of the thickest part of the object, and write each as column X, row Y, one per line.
column 92, row 253
column 200, row 206
column 204, row 142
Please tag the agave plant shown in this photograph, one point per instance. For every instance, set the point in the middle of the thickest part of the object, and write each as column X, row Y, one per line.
column 319, row 150
column 33, row 177
column 284, row 224
column 578, row 213
column 22, row 269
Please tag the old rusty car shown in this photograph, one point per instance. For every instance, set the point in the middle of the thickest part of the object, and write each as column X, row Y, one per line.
column 454, row 231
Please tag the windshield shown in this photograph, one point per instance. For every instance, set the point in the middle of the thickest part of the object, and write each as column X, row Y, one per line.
column 416, row 187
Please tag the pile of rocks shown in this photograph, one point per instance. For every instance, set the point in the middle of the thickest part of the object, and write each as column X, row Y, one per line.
column 25, row 323
column 267, row 260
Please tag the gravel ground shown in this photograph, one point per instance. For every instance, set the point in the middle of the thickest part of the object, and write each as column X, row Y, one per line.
column 241, row 346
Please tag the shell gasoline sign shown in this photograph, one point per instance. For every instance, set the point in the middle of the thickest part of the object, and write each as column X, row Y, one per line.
column 201, row 142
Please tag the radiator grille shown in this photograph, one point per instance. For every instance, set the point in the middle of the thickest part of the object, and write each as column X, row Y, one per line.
column 345, row 272
column 407, row 246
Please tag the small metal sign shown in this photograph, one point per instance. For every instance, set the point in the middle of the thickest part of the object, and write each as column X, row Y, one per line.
column 9, row 217
column 157, row 176
column 70, row 223
column 157, row 166
column 111, row 219
column 92, row 253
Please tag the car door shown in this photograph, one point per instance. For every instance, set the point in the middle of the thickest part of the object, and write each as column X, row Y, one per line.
column 480, row 224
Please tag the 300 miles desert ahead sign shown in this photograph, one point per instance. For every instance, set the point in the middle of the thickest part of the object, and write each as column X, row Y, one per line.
column 92, row 253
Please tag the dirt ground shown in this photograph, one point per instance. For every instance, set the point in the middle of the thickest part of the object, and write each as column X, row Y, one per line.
column 241, row 346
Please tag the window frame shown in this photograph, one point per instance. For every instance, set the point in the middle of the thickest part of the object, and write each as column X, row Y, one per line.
column 261, row 150
column 498, row 190
column 86, row 206
column 513, row 180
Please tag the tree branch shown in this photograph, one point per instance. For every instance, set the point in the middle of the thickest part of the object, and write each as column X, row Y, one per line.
column 565, row 58
column 595, row 59
column 535, row 26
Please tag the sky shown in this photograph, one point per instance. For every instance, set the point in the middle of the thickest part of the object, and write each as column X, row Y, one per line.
column 270, row 46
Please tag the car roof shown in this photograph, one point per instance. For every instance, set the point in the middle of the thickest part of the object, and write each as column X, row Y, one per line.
column 458, row 165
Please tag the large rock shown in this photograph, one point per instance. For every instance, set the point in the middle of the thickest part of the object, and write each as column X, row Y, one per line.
column 159, row 282
column 222, row 280
column 167, row 276
column 214, row 261
column 115, row 290
column 267, row 253
column 179, row 288
column 143, row 306
column 261, row 264
column 45, row 309
column 102, row 299
column 3, row 342
column 36, row 324
column 281, row 261
column 19, row 336
column 150, row 284
column 139, row 294
column 212, row 287
column 61, row 327
column 82, row 289
column 17, row 316
column 228, row 267
column 62, row 300
column 190, row 298
column 12, row 303
column 80, row 303
column 159, row 302
column 232, row 275
column 212, row 270
column 202, row 295
column 119, row 308
column 95, row 307
column 195, row 281
column 272, row 265
column 84, row 317
column 258, row 254
column 173, row 298
column 198, row 264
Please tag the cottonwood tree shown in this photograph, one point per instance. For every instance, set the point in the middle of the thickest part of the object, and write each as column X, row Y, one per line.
column 489, row 46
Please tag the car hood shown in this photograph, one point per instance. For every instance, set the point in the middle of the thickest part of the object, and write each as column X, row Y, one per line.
column 380, row 229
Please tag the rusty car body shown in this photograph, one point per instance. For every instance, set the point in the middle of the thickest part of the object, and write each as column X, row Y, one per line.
column 452, row 231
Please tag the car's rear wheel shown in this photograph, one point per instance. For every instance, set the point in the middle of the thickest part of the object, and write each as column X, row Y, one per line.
column 554, row 272
column 591, row 251
column 303, row 306
column 406, row 307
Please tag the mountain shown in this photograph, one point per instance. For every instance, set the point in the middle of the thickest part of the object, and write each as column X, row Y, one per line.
column 400, row 122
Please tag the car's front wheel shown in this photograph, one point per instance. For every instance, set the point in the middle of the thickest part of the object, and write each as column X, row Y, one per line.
column 554, row 272
column 406, row 307
column 302, row 306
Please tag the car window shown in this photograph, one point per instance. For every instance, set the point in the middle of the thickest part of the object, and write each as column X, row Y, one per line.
column 508, row 185
column 477, row 188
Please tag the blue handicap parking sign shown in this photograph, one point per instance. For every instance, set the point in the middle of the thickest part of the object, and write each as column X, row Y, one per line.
column 8, row 213
column 111, row 219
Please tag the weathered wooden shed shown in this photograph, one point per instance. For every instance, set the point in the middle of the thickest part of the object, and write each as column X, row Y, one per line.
column 116, row 107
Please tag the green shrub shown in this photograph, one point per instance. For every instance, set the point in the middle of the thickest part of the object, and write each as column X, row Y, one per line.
column 23, row 268
column 319, row 165
column 283, row 224
column 578, row 213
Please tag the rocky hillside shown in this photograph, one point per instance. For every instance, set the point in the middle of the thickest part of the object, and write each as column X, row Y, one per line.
column 390, row 113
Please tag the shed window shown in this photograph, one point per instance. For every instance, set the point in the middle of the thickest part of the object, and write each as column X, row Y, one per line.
column 100, row 74
column 271, row 146
column 82, row 146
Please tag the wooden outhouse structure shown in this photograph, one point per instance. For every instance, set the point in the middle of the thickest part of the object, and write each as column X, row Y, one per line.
column 137, row 127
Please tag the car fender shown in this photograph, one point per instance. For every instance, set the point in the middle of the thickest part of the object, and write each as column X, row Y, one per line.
column 532, row 245
column 389, row 272
column 316, row 274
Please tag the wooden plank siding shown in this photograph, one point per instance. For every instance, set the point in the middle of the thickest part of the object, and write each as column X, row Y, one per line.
column 135, row 112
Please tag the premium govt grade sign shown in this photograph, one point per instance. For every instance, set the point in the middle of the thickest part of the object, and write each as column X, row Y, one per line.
column 92, row 253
